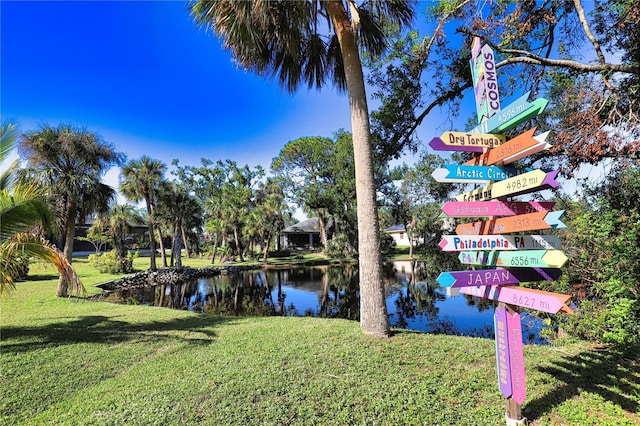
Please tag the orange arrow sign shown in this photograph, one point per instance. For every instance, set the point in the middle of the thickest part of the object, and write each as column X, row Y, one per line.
column 504, row 225
column 508, row 149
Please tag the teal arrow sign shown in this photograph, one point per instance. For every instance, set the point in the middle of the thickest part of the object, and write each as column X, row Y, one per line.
column 512, row 115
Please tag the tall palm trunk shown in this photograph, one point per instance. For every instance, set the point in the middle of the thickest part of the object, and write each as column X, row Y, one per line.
column 177, row 245
column 163, row 252
column 236, row 236
column 373, row 309
column 152, row 240
column 69, row 235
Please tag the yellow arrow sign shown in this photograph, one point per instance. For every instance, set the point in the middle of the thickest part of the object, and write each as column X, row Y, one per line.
column 527, row 182
column 557, row 258
column 480, row 140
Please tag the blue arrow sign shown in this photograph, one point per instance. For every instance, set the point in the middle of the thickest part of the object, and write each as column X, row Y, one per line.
column 462, row 173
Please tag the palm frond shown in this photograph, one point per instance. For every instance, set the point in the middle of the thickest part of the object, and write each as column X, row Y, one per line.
column 35, row 245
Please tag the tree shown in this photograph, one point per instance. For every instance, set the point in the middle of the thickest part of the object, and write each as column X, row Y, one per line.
column 175, row 205
column 551, row 48
column 24, row 213
column 267, row 219
column 284, row 39
column 140, row 180
column 69, row 162
column 117, row 225
column 305, row 166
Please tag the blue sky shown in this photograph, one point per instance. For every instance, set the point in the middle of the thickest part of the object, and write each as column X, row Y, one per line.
column 150, row 82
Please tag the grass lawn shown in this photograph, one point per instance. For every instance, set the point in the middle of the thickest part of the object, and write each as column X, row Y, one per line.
column 74, row 361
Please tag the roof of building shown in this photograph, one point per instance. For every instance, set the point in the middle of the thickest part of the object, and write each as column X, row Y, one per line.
column 395, row 228
column 310, row 225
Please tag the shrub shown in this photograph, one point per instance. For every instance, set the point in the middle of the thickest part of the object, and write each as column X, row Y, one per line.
column 110, row 263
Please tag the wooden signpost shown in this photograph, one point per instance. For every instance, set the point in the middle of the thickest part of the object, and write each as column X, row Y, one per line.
column 513, row 259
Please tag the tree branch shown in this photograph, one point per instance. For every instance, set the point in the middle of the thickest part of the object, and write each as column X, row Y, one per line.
column 531, row 58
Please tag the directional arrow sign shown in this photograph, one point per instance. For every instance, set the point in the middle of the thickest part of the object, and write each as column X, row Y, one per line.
column 512, row 115
column 502, row 351
column 499, row 242
column 479, row 142
column 505, row 225
column 512, row 150
column 530, row 258
column 454, row 173
column 516, row 357
column 535, row 180
column 539, row 300
column 456, row 279
column 494, row 208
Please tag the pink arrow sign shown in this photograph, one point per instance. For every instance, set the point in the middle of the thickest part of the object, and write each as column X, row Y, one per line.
column 539, row 300
column 502, row 351
column 516, row 357
column 494, row 208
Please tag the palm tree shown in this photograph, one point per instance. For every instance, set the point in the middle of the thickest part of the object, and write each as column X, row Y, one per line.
column 284, row 39
column 23, row 213
column 177, row 206
column 117, row 224
column 69, row 162
column 140, row 180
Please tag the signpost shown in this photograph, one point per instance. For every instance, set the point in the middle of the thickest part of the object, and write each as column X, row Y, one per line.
column 494, row 208
column 515, row 258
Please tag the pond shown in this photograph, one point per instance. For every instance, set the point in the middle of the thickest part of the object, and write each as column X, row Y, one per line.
column 332, row 292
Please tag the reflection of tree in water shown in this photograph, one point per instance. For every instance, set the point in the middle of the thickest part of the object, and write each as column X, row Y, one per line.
column 340, row 294
column 334, row 289
column 480, row 303
column 417, row 301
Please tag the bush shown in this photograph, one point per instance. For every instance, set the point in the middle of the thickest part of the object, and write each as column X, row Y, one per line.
column 110, row 263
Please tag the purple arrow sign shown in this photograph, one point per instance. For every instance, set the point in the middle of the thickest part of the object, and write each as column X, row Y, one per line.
column 502, row 351
column 456, row 279
column 494, row 208
column 438, row 145
column 516, row 357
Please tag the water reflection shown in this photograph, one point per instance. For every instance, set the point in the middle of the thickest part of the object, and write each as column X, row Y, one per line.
column 332, row 292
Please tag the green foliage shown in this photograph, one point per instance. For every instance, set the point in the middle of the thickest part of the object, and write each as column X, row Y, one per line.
column 604, row 245
column 111, row 263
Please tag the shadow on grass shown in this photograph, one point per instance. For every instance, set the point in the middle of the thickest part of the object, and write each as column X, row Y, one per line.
column 603, row 372
column 108, row 330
